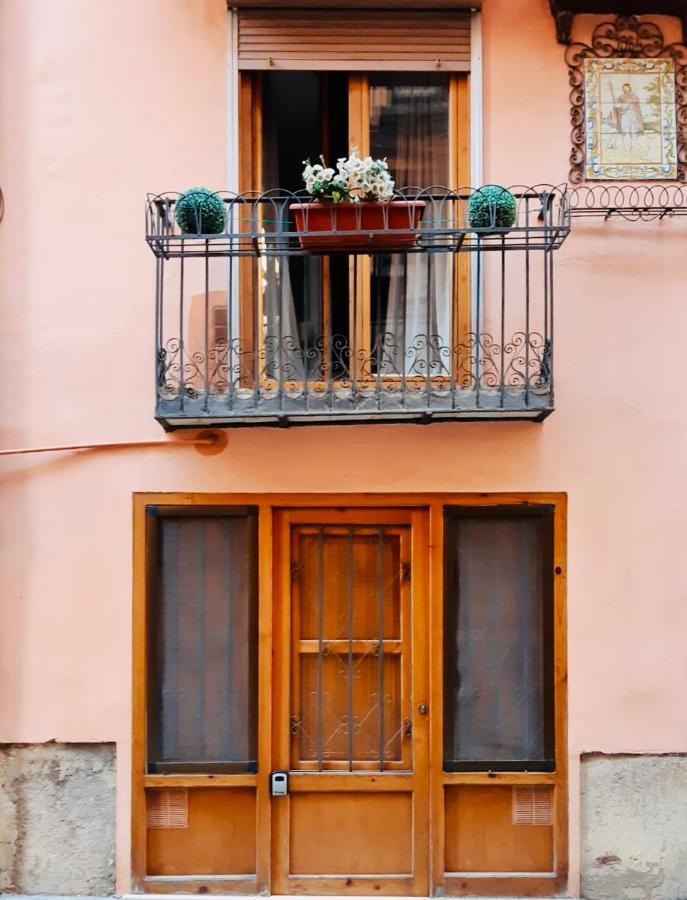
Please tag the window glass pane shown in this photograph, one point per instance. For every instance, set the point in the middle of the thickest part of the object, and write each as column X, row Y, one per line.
column 410, row 315
column 202, row 643
column 499, row 648
column 409, row 125
column 304, row 116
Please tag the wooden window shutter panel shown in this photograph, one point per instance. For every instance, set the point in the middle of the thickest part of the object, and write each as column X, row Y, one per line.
column 354, row 40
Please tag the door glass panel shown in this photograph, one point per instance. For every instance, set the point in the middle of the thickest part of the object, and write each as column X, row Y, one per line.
column 411, row 294
column 350, row 698
column 351, row 560
column 202, row 637
column 339, row 742
column 498, row 710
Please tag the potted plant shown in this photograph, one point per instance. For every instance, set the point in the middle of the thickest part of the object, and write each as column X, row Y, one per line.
column 353, row 207
column 200, row 211
column 491, row 207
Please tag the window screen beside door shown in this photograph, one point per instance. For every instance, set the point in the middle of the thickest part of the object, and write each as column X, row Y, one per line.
column 498, row 663
column 202, row 640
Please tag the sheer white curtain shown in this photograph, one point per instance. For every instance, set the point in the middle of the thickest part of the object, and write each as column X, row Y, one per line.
column 409, row 125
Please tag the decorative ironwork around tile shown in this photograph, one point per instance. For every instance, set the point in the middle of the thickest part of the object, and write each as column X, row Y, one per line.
column 628, row 38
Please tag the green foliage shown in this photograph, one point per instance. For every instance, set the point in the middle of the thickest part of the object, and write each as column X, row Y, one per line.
column 492, row 206
column 199, row 211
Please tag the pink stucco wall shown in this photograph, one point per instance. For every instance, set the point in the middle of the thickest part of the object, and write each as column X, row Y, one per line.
column 101, row 103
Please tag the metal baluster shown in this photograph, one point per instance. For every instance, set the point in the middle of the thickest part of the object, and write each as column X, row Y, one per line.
column 159, row 350
column 428, row 328
column 282, row 262
column 206, row 403
column 478, row 323
column 255, row 214
column 378, row 338
column 329, row 334
column 181, row 326
column 352, row 328
column 304, row 350
column 503, row 319
column 452, row 337
column 403, row 331
column 380, row 667
column 527, row 302
column 230, row 329
column 551, row 352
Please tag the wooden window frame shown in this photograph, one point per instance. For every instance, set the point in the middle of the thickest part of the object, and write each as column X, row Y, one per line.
column 251, row 304
column 268, row 504
column 154, row 514
column 548, row 764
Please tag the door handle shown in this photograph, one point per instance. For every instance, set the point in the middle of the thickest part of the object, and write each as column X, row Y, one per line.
column 423, row 709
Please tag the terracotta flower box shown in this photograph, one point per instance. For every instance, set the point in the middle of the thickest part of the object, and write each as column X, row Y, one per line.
column 353, row 226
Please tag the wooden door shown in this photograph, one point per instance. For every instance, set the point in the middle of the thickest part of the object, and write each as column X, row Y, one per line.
column 351, row 714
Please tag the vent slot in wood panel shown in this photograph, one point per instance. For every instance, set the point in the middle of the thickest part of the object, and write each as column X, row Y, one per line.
column 168, row 809
column 532, row 806
column 354, row 40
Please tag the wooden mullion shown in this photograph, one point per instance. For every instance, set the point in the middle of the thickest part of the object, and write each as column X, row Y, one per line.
column 263, row 819
column 561, row 850
column 141, row 567
column 360, row 267
column 436, row 680
column 250, row 180
column 420, row 651
column 281, row 692
column 459, row 156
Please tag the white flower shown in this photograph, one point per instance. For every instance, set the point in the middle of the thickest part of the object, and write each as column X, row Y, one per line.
column 354, row 179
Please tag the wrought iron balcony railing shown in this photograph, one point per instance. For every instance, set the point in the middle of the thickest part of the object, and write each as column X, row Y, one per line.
column 414, row 320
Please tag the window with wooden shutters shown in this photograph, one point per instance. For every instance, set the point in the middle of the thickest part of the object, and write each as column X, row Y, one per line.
column 354, row 40
column 202, row 639
column 498, row 662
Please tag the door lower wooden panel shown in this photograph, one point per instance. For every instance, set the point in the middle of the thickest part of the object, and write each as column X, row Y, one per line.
column 213, row 835
column 376, row 831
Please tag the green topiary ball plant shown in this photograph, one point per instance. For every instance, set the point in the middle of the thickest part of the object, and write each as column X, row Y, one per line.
column 200, row 211
column 492, row 206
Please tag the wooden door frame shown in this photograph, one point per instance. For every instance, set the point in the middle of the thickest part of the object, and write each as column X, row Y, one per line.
column 267, row 505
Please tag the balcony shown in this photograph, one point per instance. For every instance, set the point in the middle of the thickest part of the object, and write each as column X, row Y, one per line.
column 409, row 321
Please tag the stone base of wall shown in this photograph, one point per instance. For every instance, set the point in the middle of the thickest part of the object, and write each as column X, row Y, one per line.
column 634, row 827
column 57, row 818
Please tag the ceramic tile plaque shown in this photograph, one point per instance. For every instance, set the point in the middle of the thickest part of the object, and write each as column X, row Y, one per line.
column 630, row 119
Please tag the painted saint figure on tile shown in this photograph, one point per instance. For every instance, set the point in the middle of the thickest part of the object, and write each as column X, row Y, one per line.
column 630, row 119
column 628, row 116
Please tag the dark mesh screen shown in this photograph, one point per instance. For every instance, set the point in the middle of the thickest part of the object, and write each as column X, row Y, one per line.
column 499, row 648
column 202, row 642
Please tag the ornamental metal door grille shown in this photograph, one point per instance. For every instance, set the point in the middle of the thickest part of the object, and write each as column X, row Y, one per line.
column 350, row 693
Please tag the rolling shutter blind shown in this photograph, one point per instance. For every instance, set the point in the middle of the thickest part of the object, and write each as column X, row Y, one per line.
column 354, row 40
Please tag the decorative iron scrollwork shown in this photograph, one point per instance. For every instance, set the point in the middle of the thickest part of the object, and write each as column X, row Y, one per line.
column 625, row 37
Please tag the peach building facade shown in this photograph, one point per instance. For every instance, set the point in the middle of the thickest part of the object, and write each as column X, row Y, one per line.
column 102, row 104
